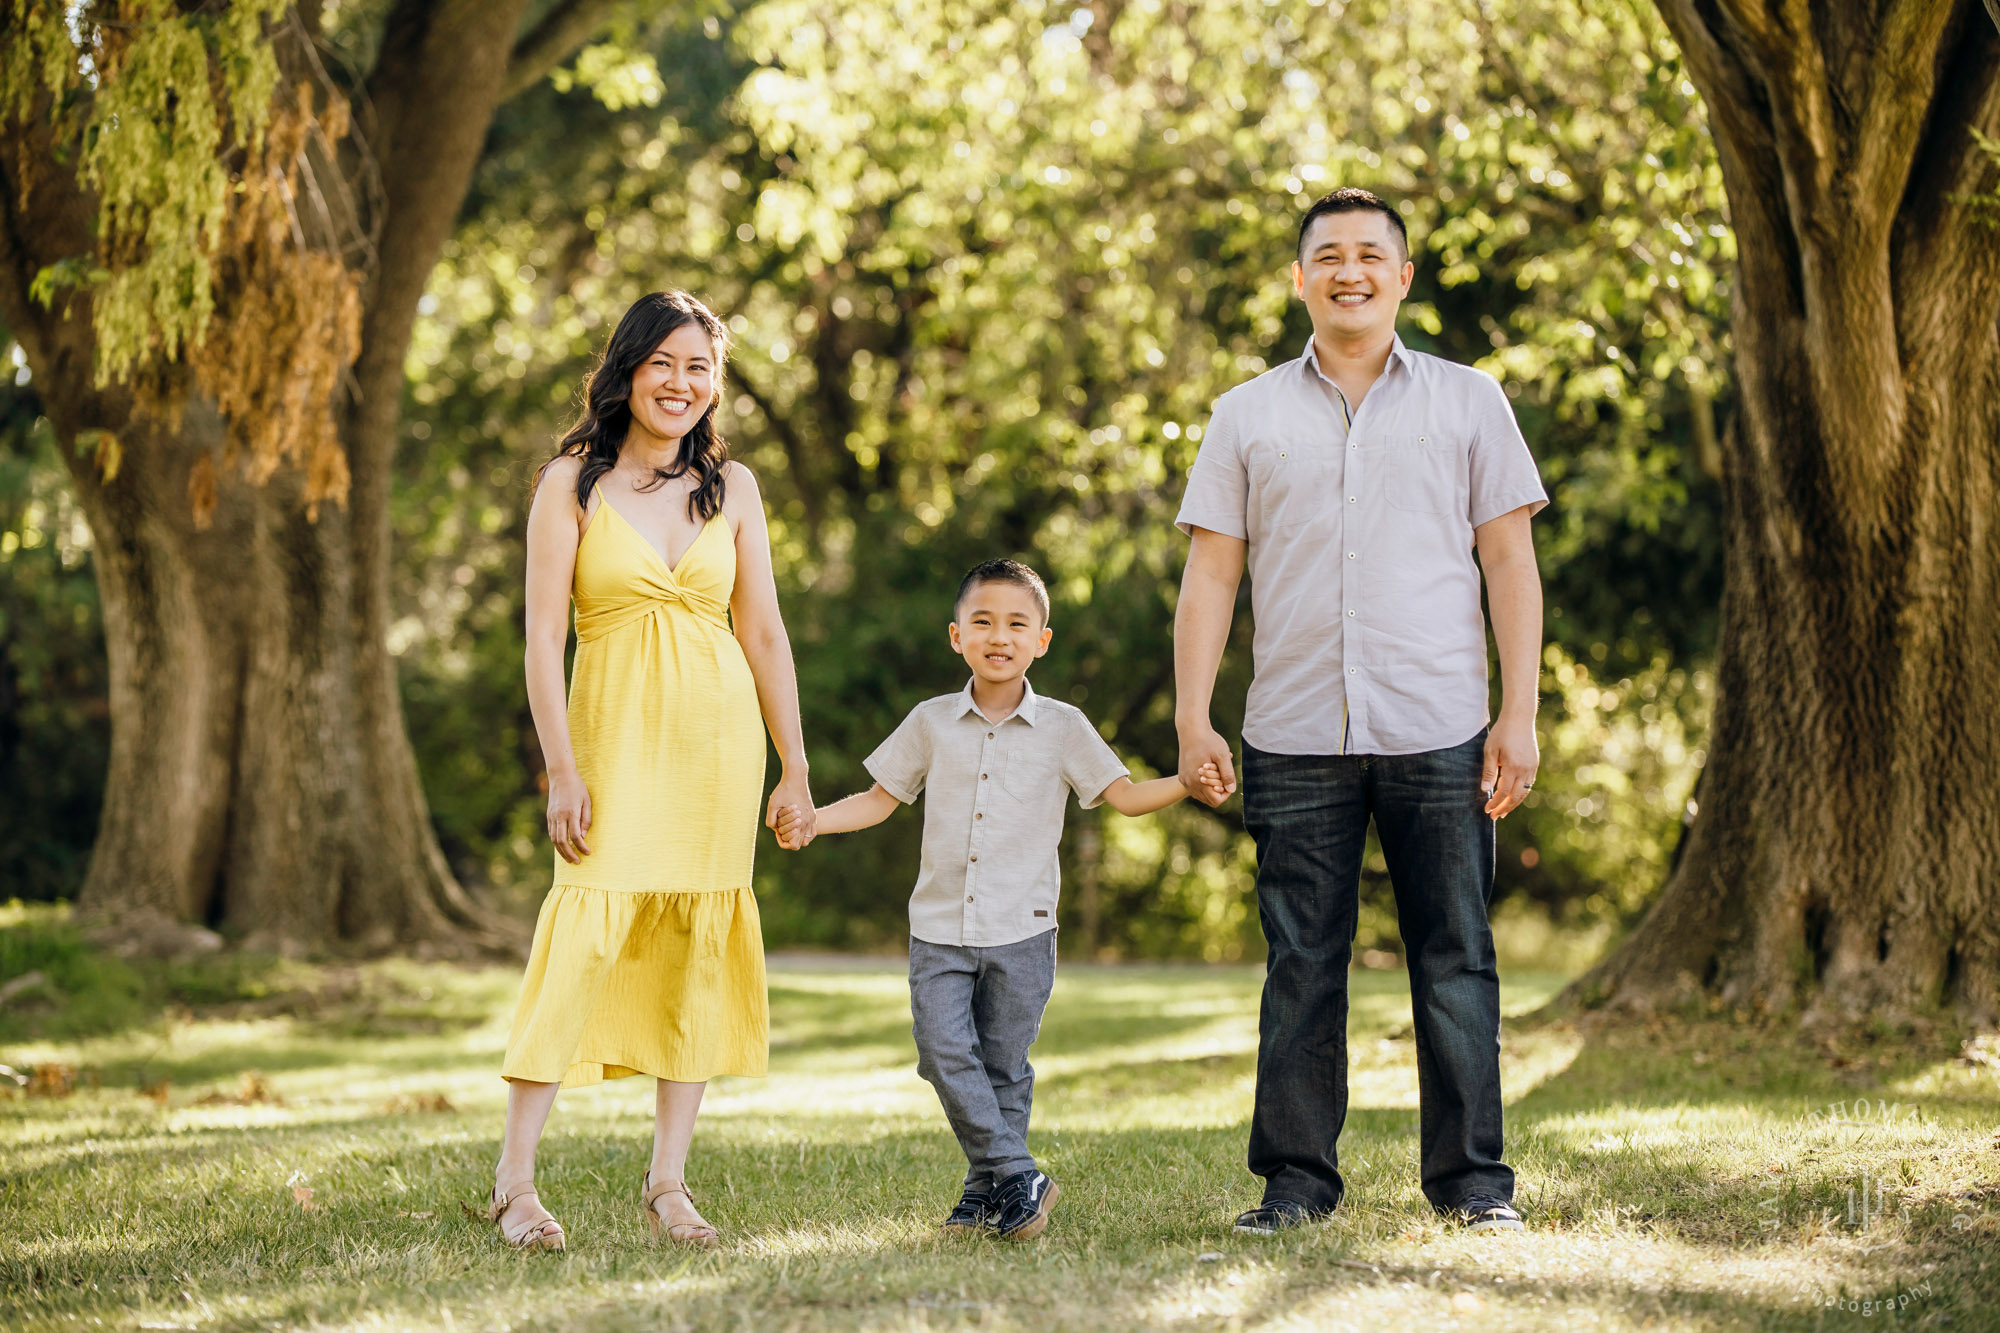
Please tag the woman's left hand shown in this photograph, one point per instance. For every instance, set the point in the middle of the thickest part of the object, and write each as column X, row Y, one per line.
column 793, row 791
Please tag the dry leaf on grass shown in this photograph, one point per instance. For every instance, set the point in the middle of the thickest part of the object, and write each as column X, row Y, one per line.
column 251, row 1090
column 406, row 1103
column 51, row 1080
column 157, row 1091
column 1466, row 1303
column 302, row 1193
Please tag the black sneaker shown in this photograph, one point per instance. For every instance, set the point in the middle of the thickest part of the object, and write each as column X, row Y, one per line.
column 975, row 1213
column 1482, row 1212
column 1277, row 1215
column 1023, row 1202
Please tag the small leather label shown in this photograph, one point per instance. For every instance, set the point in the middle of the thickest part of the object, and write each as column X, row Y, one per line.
column 1040, row 912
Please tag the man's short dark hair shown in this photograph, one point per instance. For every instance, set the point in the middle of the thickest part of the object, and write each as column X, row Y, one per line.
column 1351, row 199
column 1004, row 571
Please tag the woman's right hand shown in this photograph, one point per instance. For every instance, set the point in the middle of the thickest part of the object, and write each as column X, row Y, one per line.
column 569, row 817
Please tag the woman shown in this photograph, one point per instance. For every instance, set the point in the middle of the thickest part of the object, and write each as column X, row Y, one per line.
column 648, row 957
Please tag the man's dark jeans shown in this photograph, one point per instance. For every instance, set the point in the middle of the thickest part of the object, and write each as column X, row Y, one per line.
column 1309, row 815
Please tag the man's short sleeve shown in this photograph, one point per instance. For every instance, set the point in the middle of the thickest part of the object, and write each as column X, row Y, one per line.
column 1504, row 476
column 1218, row 488
column 903, row 762
column 1089, row 765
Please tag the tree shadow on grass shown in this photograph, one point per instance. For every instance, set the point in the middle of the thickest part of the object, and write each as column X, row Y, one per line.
column 828, row 1219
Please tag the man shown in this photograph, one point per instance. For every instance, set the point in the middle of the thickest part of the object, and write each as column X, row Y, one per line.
column 1358, row 481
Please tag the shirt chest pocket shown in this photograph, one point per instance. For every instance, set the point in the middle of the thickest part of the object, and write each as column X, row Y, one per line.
column 1029, row 775
column 1425, row 474
column 1293, row 483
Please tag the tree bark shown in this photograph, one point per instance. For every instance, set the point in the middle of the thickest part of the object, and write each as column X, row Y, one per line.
column 1845, row 859
column 261, row 779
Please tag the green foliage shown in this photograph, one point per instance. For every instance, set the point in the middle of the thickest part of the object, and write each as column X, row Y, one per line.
column 987, row 266
column 54, row 726
column 1620, row 757
column 130, row 84
column 985, row 280
column 82, row 992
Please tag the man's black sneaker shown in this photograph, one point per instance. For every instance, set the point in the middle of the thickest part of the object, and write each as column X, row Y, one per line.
column 1276, row 1215
column 1483, row 1213
column 975, row 1213
column 1023, row 1202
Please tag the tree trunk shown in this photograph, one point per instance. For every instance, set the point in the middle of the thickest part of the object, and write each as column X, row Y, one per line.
column 245, row 789
column 1845, row 858
column 261, row 779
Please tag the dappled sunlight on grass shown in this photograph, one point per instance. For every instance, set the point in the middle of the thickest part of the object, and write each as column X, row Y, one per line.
column 1672, row 1176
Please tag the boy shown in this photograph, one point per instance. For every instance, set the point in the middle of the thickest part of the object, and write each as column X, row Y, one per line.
column 999, row 762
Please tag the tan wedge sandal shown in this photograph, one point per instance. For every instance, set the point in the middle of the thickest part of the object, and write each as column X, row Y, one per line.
column 695, row 1235
column 546, row 1234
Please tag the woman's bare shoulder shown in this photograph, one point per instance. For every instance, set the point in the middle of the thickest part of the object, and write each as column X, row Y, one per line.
column 556, row 482
column 739, row 490
column 563, row 467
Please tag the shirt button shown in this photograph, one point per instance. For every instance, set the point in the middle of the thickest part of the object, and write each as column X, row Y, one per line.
column 1350, row 499
column 1350, row 555
column 982, row 777
column 968, row 897
column 1350, row 671
column 989, row 735
column 1350, row 615
column 975, row 856
column 979, row 816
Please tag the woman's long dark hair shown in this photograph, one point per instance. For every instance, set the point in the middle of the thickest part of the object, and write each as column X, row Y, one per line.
column 607, row 412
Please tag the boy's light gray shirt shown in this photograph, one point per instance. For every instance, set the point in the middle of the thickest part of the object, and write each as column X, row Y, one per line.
column 993, row 810
column 1369, row 637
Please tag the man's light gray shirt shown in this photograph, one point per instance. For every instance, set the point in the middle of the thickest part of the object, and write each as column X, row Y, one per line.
column 1369, row 636
column 994, row 794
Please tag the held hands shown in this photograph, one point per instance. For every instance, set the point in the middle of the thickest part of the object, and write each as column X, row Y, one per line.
column 569, row 817
column 791, row 814
column 1207, row 771
column 1511, row 761
column 1209, row 787
column 791, row 827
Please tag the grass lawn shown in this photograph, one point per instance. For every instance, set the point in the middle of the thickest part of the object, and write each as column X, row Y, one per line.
column 1693, row 1175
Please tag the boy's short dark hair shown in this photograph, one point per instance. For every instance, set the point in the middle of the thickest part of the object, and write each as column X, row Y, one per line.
column 1352, row 199
column 1004, row 571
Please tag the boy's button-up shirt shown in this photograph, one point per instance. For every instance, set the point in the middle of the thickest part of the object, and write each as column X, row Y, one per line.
column 993, row 810
column 1369, row 637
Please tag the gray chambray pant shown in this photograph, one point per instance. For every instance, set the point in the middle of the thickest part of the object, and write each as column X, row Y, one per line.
column 974, row 1012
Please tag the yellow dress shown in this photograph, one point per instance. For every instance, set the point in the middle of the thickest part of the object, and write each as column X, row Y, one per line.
column 648, row 955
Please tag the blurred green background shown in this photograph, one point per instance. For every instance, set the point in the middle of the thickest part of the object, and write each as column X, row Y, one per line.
column 985, row 279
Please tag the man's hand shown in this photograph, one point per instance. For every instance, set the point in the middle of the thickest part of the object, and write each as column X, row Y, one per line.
column 1203, row 747
column 1511, row 762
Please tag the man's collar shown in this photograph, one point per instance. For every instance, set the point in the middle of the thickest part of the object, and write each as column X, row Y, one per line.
column 1030, row 703
column 1398, row 353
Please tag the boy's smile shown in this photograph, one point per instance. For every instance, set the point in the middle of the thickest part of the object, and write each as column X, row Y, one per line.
column 999, row 631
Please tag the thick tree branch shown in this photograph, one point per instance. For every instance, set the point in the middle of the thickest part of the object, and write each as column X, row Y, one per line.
column 553, row 40
column 1722, row 67
column 1952, row 175
column 1901, row 85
